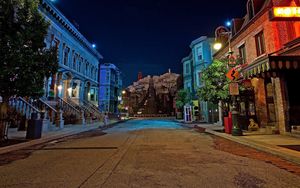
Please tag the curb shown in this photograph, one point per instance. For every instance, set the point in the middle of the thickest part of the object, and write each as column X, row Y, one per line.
column 19, row 146
column 261, row 147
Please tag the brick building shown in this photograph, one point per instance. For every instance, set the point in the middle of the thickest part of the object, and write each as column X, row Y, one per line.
column 269, row 50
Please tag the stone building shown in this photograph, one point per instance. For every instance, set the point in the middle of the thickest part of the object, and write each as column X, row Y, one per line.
column 268, row 47
column 154, row 95
column 77, row 77
column 110, row 88
column 71, row 95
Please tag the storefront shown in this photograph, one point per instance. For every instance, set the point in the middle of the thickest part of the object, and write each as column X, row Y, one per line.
column 277, row 103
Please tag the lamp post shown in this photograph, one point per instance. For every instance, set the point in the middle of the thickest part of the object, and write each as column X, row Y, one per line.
column 221, row 31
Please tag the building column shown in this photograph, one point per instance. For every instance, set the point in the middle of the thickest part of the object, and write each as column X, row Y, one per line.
column 280, row 105
column 58, row 83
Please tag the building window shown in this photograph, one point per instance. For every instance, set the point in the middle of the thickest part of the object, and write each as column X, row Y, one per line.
column 199, row 78
column 107, row 92
column 107, row 76
column 270, row 100
column 187, row 68
column 92, row 94
column 86, row 69
column 74, row 61
column 66, row 55
column 242, row 53
column 199, row 53
column 260, row 43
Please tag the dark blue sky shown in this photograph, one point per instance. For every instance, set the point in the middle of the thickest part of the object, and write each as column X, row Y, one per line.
column 148, row 35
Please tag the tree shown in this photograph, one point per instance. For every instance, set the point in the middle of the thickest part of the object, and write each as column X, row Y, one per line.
column 183, row 97
column 25, row 60
column 215, row 83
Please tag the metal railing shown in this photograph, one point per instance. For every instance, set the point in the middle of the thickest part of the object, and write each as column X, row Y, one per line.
column 24, row 108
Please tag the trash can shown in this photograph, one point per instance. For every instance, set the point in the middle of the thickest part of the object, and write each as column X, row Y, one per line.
column 228, row 124
column 34, row 128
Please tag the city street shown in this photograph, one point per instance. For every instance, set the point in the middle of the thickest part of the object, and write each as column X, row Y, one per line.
column 142, row 153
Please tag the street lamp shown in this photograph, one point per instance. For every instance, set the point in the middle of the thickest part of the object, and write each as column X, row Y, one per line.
column 222, row 31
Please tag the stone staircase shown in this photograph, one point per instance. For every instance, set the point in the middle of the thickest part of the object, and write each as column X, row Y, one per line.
column 26, row 109
column 91, row 112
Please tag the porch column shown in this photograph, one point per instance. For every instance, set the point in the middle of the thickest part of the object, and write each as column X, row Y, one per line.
column 81, row 91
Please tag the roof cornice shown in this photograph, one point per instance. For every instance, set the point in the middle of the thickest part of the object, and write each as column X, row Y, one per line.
column 52, row 10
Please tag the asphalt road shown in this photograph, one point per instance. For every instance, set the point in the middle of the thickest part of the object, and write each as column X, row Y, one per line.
column 139, row 153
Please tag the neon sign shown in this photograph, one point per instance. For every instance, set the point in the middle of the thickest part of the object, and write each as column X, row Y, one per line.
column 285, row 14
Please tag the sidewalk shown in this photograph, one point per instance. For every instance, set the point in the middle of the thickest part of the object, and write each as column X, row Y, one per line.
column 275, row 144
column 50, row 135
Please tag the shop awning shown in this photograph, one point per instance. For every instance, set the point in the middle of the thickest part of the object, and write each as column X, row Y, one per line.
column 271, row 65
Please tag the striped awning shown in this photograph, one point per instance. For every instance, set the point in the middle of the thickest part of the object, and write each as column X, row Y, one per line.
column 271, row 64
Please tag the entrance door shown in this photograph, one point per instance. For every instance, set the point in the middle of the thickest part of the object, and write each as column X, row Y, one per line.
column 292, row 80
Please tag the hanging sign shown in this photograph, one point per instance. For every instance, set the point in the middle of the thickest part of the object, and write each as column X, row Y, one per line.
column 234, row 88
column 291, row 13
column 233, row 74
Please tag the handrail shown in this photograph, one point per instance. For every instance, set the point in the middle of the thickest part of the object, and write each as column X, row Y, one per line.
column 82, row 107
column 49, row 106
column 69, row 105
column 31, row 106
column 90, row 106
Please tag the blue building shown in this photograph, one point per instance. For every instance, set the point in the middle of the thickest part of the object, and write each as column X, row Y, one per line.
column 77, row 77
column 187, row 63
column 110, row 88
column 193, row 66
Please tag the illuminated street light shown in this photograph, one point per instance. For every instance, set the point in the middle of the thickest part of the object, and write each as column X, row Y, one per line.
column 236, row 129
column 217, row 46
column 228, row 23
column 123, row 92
column 94, row 45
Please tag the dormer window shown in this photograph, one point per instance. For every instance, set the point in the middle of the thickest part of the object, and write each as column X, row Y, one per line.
column 250, row 9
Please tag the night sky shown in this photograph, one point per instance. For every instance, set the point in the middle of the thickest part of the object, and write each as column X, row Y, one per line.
column 148, row 35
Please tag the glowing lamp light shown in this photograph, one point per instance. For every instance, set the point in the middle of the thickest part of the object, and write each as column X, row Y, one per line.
column 94, row 45
column 123, row 92
column 59, row 87
column 286, row 12
column 228, row 23
column 217, row 46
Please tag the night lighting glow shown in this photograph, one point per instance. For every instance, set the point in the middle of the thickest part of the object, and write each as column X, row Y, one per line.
column 286, row 12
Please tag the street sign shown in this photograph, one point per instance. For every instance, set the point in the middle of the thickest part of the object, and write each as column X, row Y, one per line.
column 234, row 88
column 233, row 74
